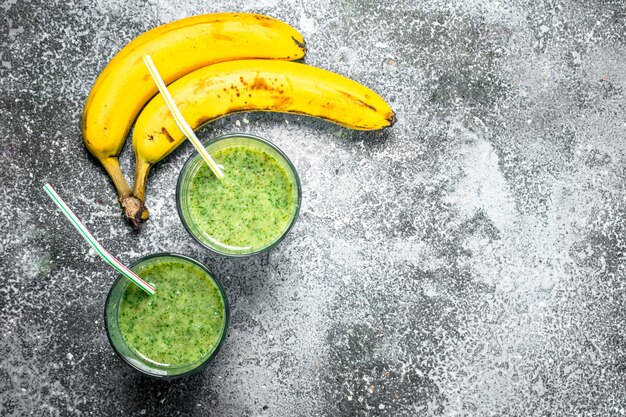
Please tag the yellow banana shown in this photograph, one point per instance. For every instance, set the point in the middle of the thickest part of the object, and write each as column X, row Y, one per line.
column 229, row 87
column 177, row 48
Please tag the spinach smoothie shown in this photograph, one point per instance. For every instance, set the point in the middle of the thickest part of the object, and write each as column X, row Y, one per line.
column 252, row 207
column 183, row 322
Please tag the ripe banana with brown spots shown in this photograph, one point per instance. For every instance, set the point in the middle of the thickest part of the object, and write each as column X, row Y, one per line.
column 247, row 85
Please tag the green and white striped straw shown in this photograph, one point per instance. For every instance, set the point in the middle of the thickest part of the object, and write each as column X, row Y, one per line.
column 179, row 119
column 121, row 268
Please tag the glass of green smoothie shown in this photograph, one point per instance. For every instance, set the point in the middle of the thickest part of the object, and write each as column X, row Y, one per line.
column 177, row 331
column 248, row 212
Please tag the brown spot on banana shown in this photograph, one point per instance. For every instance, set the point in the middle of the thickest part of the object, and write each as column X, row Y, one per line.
column 358, row 100
column 260, row 84
column 283, row 102
column 300, row 44
column 167, row 135
column 202, row 85
column 369, row 106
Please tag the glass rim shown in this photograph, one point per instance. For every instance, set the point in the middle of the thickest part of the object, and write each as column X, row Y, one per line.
column 201, row 364
column 194, row 156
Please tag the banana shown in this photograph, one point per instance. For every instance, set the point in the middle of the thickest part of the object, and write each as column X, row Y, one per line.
column 229, row 87
column 177, row 48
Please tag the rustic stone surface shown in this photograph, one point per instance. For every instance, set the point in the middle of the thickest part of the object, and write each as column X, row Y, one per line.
column 469, row 261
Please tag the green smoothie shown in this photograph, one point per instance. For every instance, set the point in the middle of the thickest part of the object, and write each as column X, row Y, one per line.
column 250, row 208
column 182, row 323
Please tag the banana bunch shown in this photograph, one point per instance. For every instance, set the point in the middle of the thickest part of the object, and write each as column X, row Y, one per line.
column 177, row 48
column 217, row 64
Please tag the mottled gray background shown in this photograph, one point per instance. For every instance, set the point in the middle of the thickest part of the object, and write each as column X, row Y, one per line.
column 469, row 261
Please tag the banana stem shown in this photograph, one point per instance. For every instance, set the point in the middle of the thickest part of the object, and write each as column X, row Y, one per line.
column 134, row 209
column 142, row 169
column 112, row 167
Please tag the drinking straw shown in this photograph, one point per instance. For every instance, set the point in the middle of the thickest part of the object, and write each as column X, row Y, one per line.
column 121, row 268
column 179, row 119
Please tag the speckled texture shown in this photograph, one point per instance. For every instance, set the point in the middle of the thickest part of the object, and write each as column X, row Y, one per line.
column 469, row 261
